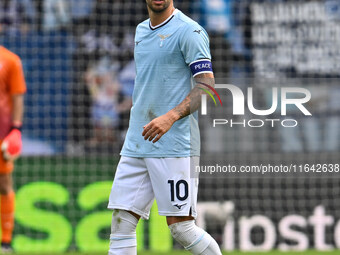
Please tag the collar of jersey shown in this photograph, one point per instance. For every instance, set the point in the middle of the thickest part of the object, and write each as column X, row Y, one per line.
column 164, row 22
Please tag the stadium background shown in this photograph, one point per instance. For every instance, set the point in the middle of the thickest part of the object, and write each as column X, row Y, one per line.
column 78, row 61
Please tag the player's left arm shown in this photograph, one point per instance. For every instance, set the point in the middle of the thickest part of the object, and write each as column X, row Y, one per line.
column 194, row 45
column 18, row 109
column 160, row 125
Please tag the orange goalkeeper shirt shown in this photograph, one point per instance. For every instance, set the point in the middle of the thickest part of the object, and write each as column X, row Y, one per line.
column 12, row 82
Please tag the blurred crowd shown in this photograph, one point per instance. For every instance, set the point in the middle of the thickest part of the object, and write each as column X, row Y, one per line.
column 102, row 36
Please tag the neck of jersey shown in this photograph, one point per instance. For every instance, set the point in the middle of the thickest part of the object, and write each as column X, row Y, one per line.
column 164, row 22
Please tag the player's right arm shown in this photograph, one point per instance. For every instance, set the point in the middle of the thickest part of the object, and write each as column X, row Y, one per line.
column 12, row 143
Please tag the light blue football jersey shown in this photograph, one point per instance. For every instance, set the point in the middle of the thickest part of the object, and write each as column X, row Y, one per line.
column 163, row 55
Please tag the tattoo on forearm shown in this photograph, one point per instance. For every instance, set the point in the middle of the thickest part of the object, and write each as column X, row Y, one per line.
column 193, row 101
column 190, row 104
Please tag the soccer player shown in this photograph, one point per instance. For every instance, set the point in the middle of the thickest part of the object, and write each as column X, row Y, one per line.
column 12, row 89
column 173, row 65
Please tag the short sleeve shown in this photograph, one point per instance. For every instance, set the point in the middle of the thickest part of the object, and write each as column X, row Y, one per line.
column 195, row 44
column 17, row 83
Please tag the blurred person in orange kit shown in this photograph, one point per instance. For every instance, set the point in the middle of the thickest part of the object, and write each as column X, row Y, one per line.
column 12, row 89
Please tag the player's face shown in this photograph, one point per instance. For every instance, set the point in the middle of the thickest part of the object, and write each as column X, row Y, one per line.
column 158, row 5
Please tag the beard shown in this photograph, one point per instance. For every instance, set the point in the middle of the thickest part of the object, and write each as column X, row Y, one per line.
column 158, row 8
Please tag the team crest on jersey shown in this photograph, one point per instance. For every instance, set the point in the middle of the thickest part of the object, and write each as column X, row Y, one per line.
column 163, row 37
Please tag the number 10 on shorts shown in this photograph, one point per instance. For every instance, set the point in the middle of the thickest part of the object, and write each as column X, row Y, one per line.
column 175, row 190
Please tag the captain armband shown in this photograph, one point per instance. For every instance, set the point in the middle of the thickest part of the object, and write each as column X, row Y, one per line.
column 201, row 66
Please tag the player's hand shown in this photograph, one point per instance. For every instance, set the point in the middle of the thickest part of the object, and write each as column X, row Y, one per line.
column 159, row 126
column 12, row 144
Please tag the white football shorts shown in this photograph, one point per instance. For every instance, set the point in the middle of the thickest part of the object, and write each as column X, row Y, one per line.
column 138, row 181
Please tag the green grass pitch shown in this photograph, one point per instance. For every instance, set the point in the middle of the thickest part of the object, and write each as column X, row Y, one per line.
column 225, row 253
column 251, row 253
